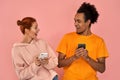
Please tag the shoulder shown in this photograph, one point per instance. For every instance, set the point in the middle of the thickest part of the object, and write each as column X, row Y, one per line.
column 98, row 38
column 15, row 46
column 69, row 35
column 41, row 42
column 15, row 50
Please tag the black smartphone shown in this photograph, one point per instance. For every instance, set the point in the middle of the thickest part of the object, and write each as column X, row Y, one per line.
column 82, row 46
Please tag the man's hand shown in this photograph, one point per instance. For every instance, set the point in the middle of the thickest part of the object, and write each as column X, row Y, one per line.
column 81, row 52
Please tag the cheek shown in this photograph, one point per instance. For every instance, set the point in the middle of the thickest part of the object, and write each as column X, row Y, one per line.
column 32, row 33
column 83, row 26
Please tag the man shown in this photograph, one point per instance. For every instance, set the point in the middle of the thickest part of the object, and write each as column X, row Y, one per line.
column 82, row 53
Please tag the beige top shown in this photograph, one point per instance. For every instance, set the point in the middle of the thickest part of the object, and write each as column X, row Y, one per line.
column 23, row 55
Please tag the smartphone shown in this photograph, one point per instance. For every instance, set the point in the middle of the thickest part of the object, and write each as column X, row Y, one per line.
column 82, row 46
column 43, row 55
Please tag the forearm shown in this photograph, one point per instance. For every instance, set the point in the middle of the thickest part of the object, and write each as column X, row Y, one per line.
column 98, row 66
column 27, row 72
column 53, row 62
column 66, row 61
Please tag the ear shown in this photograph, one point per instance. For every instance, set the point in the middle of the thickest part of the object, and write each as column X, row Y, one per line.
column 26, row 31
column 88, row 22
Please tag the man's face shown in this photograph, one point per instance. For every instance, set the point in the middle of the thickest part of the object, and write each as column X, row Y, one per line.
column 80, row 24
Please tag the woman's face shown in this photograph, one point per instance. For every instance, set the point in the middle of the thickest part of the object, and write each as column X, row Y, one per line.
column 33, row 30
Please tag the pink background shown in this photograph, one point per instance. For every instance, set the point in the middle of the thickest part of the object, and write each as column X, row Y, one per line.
column 55, row 18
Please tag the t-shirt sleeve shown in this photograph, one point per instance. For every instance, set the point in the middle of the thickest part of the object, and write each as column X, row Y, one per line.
column 102, row 50
column 62, row 47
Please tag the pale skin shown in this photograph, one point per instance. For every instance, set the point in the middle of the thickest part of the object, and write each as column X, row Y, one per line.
column 29, row 35
column 82, row 28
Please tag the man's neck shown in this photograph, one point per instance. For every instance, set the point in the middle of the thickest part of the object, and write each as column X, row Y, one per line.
column 86, row 33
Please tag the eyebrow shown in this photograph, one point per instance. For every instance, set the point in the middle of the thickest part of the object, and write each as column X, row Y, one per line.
column 77, row 19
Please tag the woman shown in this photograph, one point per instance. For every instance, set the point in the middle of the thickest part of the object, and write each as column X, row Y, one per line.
column 26, row 55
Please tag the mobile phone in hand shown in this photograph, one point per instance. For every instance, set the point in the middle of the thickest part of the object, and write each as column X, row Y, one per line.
column 82, row 46
column 43, row 55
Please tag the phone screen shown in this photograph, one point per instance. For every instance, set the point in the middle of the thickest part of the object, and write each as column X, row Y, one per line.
column 82, row 46
column 43, row 55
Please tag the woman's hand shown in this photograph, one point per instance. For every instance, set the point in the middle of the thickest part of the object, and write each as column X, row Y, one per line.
column 39, row 61
column 44, row 61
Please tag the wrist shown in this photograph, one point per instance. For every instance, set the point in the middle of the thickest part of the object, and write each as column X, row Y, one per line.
column 88, row 58
column 38, row 64
column 73, row 58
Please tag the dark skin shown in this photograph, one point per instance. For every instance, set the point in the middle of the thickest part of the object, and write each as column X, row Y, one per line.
column 82, row 28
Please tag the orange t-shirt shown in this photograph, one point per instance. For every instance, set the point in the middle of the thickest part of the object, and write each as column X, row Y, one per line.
column 80, row 69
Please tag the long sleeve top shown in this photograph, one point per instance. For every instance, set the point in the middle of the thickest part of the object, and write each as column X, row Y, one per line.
column 23, row 55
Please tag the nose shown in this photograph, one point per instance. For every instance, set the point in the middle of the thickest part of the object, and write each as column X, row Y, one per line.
column 76, row 24
column 38, row 30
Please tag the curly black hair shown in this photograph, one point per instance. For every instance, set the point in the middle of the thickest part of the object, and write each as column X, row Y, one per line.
column 89, row 11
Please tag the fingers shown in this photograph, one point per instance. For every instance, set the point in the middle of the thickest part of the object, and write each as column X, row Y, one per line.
column 44, row 61
column 37, row 61
column 41, row 61
column 81, row 52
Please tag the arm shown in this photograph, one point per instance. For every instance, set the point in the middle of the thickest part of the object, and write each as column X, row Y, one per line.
column 63, row 61
column 26, row 72
column 53, row 60
column 98, row 65
column 23, row 70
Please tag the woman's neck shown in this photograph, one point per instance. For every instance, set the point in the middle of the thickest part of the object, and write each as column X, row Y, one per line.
column 26, row 39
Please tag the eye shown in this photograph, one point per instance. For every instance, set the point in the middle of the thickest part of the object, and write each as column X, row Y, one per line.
column 36, row 27
column 78, row 21
column 75, row 20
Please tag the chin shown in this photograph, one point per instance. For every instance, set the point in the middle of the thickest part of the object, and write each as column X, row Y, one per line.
column 79, row 32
